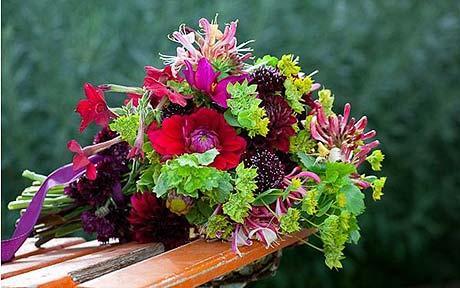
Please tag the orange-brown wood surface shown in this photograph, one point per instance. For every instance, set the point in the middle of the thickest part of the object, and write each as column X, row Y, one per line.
column 190, row 265
column 187, row 266
column 37, row 261
column 57, row 275
column 29, row 248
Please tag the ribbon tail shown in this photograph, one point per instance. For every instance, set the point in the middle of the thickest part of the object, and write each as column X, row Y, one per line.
column 61, row 176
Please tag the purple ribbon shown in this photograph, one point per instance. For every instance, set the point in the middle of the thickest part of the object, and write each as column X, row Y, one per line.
column 60, row 176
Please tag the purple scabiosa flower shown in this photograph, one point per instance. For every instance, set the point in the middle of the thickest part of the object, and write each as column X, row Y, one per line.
column 344, row 139
column 270, row 170
column 268, row 80
column 96, row 192
column 103, row 228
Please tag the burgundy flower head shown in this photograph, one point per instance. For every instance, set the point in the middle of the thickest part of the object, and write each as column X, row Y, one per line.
column 198, row 132
column 153, row 222
column 281, row 120
column 93, row 108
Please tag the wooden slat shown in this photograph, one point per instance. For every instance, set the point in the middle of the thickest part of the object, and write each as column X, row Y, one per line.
column 68, row 273
column 48, row 258
column 190, row 265
column 29, row 248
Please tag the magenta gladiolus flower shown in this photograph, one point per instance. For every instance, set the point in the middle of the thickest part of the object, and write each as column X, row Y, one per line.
column 205, row 79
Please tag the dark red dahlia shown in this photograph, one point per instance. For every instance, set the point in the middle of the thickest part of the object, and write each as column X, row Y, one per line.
column 151, row 221
column 270, row 170
column 198, row 132
column 93, row 108
column 281, row 120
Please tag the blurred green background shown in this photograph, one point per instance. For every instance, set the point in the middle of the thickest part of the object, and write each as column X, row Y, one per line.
column 396, row 61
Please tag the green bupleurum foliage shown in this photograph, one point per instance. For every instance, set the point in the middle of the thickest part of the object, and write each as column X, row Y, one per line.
column 245, row 107
column 326, row 99
column 375, row 159
column 127, row 126
column 218, row 226
column 267, row 60
column 239, row 202
column 289, row 222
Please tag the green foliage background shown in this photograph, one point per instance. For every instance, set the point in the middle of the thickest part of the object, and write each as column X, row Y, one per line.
column 396, row 61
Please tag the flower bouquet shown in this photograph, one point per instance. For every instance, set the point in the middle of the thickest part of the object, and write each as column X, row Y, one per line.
column 214, row 144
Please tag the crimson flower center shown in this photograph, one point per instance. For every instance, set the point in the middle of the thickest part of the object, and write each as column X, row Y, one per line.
column 202, row 140
column 99, row 108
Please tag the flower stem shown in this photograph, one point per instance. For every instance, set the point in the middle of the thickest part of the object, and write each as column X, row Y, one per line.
column 121, row 89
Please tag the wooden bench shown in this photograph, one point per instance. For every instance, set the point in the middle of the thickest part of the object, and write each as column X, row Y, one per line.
column 72, row 262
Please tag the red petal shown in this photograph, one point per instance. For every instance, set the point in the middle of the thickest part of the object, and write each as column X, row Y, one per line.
column 91, row 171
column 79, row 161
column 73, row 146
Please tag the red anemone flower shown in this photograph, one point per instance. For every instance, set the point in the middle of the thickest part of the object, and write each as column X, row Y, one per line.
column 94, row 108
column 196, row 133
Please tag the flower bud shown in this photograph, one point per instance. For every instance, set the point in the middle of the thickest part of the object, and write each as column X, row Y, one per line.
column 179, row 204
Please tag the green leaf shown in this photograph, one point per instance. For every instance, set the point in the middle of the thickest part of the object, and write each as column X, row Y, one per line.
column 354, row 199
column 268, row 197
column 200, row 213
column 188, row 176
column 310, row 163
column 323, row 210
column 231, row 120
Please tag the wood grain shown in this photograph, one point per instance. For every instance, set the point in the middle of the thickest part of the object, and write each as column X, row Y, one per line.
column 70, row 272
column 190, row 265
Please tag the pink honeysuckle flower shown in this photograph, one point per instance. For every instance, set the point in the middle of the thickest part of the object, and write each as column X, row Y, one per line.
column 210, row 43
column 81, row 157
column 336, row 132
column 205, row 79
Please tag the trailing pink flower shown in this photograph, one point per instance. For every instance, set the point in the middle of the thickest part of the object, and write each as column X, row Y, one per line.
column 205, row 79
column 81, row 157
column 211, row 43
column 336, row 132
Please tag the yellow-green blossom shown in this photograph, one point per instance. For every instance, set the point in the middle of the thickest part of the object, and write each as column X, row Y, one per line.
column 288, row 65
